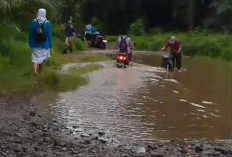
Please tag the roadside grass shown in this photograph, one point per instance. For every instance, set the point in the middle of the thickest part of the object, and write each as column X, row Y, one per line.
column 66, row 82
column 215, row 45
column 85, row 69
column 85, row 57
column 112, row 38
column 16, row 82
column 16, row 75
column 60, row 82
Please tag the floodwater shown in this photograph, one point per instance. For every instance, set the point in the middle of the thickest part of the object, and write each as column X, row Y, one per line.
column 140, row 103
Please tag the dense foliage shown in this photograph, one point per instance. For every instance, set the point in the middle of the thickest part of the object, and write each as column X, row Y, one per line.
column 116, row 16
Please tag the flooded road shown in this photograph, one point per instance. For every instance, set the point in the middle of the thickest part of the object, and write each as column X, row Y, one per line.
column 199, row 105
column 139, row 103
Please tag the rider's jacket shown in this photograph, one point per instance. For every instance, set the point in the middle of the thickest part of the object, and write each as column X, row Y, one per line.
column 174, row 46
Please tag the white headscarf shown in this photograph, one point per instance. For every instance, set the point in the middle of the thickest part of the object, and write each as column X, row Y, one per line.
column 41, row 16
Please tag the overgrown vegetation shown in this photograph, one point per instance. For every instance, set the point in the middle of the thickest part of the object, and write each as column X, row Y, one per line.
column 15, row 63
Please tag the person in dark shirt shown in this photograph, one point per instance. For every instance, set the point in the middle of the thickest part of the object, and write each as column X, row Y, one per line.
column 70, row 36
column 175, row 48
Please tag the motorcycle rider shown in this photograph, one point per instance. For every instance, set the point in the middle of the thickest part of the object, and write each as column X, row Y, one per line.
column 89, row 33
column 125, row 45
column 176, row 51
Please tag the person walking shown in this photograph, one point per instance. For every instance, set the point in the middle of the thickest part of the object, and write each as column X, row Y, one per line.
column 70, row 36
column 40, row 40
column 176, row 51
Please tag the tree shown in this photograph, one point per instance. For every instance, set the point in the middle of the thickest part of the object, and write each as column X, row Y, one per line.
column 20, row 12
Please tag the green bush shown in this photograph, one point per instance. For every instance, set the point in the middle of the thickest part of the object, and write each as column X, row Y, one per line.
column 96, row 23
column 112, row 39
column 137, row 28
column 140, row 42
column 58, row 32
column 80, row 45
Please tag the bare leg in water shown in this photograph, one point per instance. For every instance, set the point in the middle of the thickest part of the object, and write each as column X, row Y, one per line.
column 37, row 68
column 34, row 67
column 40, row 69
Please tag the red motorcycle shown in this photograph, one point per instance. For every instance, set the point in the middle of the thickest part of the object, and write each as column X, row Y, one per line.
column 122, row 60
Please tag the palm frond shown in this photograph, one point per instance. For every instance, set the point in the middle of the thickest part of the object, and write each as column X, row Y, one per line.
column 5, row 6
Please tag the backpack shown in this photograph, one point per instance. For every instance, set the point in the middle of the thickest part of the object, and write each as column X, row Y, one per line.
column 40, row 33
column 123, row 45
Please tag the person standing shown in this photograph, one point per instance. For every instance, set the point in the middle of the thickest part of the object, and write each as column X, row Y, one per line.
column 40, row 40
column 70, row 36
column 176, row 50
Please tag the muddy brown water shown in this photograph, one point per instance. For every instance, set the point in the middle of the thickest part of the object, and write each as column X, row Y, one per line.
column 200, row 106
column 139, row 103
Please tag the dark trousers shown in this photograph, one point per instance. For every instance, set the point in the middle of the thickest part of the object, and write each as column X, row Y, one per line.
column 177, row 59
column 130, row 56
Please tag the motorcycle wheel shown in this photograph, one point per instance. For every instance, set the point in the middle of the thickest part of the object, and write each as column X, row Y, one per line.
column 103, row 46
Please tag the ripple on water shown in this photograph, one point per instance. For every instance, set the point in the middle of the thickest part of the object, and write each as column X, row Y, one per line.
column 199, row 110
column 207, row 102
column 120, row 100
column 214, row 115
column 197, row 105
column 175, row 91
column 172, row 81
column 183, row 100
column 104, row 103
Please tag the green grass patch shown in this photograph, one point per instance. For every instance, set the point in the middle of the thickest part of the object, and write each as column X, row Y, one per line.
column 60, row 82
column 112, row 38
column 84, row 57
column 85, row 69
column 16, row 74
column 21, row 83
column 66, row 82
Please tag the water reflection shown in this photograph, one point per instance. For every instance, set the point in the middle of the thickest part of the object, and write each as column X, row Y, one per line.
column 138, row 103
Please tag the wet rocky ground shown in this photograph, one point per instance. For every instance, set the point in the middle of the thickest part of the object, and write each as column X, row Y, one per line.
column 29, row 130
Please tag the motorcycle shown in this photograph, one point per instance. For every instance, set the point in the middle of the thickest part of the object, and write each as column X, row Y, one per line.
column 167, row 63
column 98, row 41
column 101, row 42
column 122, row 60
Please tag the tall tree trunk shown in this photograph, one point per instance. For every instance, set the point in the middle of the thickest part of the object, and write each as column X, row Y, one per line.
column 192, row 14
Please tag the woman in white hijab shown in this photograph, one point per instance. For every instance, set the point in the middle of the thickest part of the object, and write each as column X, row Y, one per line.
column 40, row 40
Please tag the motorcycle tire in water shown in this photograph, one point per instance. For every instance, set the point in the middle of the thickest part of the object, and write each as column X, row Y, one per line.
column 103, row 45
